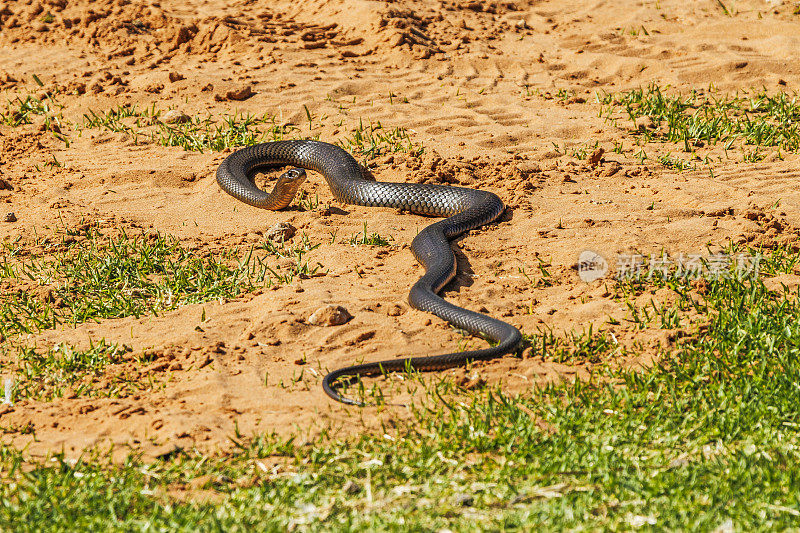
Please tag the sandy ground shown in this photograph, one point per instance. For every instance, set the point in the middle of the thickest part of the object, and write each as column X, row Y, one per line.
column 473, row 82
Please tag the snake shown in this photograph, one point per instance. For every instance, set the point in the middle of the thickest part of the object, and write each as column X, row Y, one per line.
column 464, row 209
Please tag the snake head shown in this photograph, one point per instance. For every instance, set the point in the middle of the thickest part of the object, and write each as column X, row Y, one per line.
column 286, row 188
column 294, row 177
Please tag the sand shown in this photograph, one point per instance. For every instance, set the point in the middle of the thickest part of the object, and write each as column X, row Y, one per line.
column 476, row 84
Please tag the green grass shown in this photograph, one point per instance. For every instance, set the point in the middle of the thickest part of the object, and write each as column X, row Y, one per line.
column 197, row 135
column 579, row 151
column 755, row 119
column 305, row 202
column 364, row 238
column 21, row 110
column 212, row 133
column 128, row 275
column 299, row 267
column 45, row 374
column 676, row 163
column 73, row 280
column 706, row 437
column 200, row 135
column 562, row 95
column 574, row 347
column 373, row 140
column 544, row 278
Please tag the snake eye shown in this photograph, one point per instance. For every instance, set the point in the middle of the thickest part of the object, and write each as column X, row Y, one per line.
column 294, row 174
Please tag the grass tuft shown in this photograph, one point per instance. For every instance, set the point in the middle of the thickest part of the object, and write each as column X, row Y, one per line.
column 755, row 119
column 128, row 275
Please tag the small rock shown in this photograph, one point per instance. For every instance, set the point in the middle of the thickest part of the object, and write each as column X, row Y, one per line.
column 463, row 500
column 753, row 214
column 175, row 116
column 176, row 76
column 395, row 310
column 39, row 26
column 185, row 34
column 330, row 315
column 725, row 527
column 611, row 170
column 282, row 231
column 351, row 487
column 240, row 94
column 5, row 186
column 596, row 157
column 396, row 40
column 10, row 217
column 637, row 521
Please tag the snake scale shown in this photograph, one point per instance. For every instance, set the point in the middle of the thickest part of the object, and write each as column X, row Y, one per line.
column 464, row 208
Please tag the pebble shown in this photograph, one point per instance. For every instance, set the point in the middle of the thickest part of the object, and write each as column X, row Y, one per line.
column 175, row 116
column 611, row 170
column 282, row 231
column 10, row 217
column 395, row 310
column 329, row 315
column 396, row 40
column 240, row 94
column 596, row 157
column 185, row 34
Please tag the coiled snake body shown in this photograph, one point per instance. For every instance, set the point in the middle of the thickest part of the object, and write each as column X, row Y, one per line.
column 465, row 208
